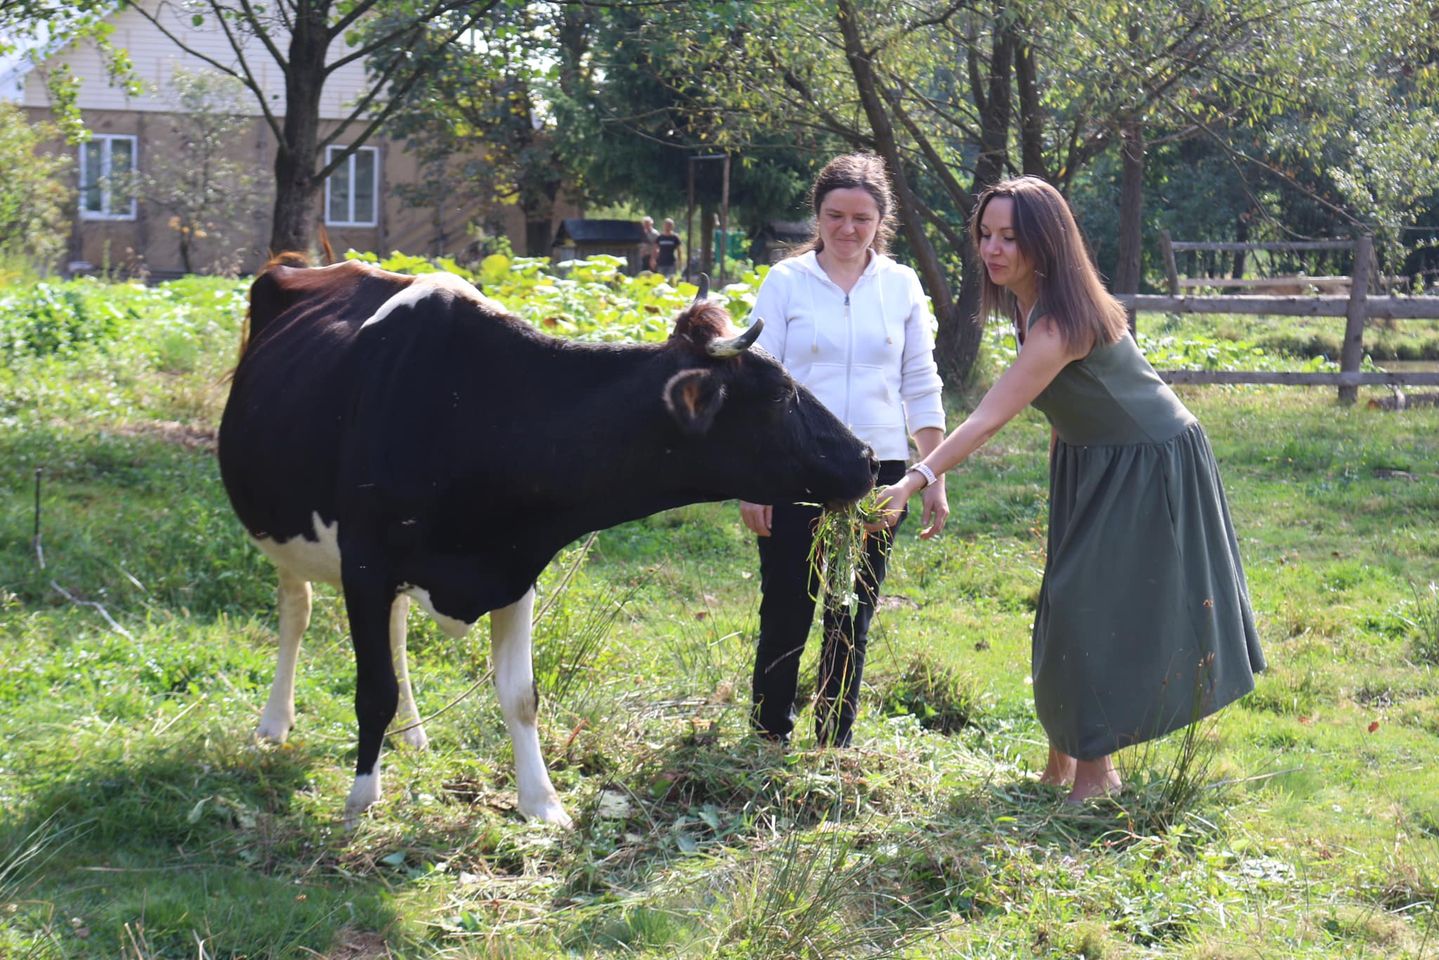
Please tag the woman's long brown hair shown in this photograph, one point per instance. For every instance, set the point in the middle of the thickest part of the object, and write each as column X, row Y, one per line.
column 1070, row 291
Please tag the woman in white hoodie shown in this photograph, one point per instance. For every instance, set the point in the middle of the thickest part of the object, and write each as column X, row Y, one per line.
column 854, row 327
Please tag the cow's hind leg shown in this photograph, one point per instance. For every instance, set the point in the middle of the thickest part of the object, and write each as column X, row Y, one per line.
column 369, row 602
column 510, row 650
column 294, row 603
column 408, row 715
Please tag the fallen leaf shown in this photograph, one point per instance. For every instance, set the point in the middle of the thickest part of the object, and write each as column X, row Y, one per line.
column 1306, row 720
column 1374, row 725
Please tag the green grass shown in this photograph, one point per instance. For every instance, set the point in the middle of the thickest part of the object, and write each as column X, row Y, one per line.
column 138, row 820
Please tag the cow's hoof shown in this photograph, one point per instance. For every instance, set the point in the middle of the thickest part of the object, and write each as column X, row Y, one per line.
column 272, row 731
column 364, row 794
column 548, row 810
column 415, row 738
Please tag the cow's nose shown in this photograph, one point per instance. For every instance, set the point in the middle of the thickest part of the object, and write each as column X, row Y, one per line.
column 873, row 462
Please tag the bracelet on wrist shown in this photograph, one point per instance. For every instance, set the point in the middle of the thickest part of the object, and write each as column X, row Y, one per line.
column 922, row 468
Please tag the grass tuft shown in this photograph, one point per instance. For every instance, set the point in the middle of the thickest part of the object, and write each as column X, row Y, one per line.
column 1424, row 624
column 939, row 696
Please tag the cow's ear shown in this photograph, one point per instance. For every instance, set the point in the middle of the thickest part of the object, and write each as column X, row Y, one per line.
column 693, row 397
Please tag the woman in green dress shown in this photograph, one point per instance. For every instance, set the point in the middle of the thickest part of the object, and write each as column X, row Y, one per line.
column 1143, row 624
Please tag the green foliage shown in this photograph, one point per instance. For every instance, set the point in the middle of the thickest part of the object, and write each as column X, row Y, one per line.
column 586, row 299
column 35, row 203
column 45, row 319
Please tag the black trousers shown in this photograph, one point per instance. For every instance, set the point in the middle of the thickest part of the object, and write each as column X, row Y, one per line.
column 786, row 611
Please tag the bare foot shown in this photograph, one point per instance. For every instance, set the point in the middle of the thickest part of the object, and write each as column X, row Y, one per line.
column 1059, row 771
column 1094, row 778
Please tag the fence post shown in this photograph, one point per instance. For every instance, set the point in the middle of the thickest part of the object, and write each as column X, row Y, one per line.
column 1352, row 353
column 1171, row 270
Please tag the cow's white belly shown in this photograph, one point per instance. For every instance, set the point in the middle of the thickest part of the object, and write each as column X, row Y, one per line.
column 451, row 626
column 317, row 559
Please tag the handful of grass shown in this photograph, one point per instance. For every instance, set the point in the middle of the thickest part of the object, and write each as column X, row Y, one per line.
column 837, row 555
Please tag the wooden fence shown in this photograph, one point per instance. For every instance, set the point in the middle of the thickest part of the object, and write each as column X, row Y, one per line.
column 1356, row 308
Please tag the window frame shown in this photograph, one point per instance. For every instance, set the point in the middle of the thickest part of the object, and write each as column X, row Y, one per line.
column 349, row 167
column 101, row 182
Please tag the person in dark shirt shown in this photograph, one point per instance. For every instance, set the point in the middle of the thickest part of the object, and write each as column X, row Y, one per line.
column 667, row 249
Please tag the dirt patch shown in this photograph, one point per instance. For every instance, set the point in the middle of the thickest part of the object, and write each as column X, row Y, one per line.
column 358, row 945
column 186, row 435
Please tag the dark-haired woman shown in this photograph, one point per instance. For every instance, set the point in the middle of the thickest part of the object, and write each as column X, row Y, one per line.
column 853, row 326
column 1143, row 623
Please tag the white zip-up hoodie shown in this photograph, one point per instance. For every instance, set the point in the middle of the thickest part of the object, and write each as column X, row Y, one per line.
column 868, row 356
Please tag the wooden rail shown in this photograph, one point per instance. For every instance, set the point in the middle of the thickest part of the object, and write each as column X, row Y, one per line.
column 1295, row 378
column 1385, row 308
column 1355, row 308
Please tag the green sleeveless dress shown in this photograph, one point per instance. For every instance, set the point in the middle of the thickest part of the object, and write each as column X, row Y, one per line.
column 1143, row 624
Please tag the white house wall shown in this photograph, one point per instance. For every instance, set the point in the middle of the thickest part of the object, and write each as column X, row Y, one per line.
column 156, row 57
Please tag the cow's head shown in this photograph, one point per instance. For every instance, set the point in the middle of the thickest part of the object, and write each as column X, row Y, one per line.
column 748, row 429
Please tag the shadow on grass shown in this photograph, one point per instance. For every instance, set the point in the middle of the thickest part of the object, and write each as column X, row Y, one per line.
column 186, row 844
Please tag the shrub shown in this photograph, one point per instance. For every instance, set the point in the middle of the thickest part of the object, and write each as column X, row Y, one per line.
column 46, row 319
column 34, row 224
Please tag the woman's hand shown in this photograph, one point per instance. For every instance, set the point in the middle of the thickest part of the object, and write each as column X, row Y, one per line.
column 756, row 516
column 891, row 501
column 936, row 510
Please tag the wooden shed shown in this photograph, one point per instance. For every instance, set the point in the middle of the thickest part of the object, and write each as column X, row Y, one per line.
column 776, row 238
column 577, row 238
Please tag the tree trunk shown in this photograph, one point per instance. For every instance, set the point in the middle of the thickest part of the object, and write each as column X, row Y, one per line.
column 957, row 345
column 297, row 156
column 537, row 236
column 186, row 231
column 1241, row 234
column 294, row 217
column 995, row 113
column 1131, row 208
column 709, row 215
column 1031, row 113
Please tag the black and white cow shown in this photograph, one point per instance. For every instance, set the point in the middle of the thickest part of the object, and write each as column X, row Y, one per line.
column 406, row 437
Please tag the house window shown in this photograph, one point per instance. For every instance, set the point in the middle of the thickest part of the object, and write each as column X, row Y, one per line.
column 352, row 191
column 107, row 169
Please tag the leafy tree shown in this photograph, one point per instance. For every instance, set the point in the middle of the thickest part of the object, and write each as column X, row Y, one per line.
column 30, row 28
column 308, row 40
column 35, row 204
column 481, row 124
column 205, row 190
column 955, row 95
column 638, row 99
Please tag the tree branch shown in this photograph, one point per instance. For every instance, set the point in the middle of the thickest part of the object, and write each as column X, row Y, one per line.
column 244, row 75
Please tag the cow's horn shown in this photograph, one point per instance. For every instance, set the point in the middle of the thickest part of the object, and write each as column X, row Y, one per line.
column 734, row 346
column 704, row 292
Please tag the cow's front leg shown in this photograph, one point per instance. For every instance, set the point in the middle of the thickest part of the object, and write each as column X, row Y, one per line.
column 408, row 715
column 519, row 701
column 294, row 609
column 369, row 600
